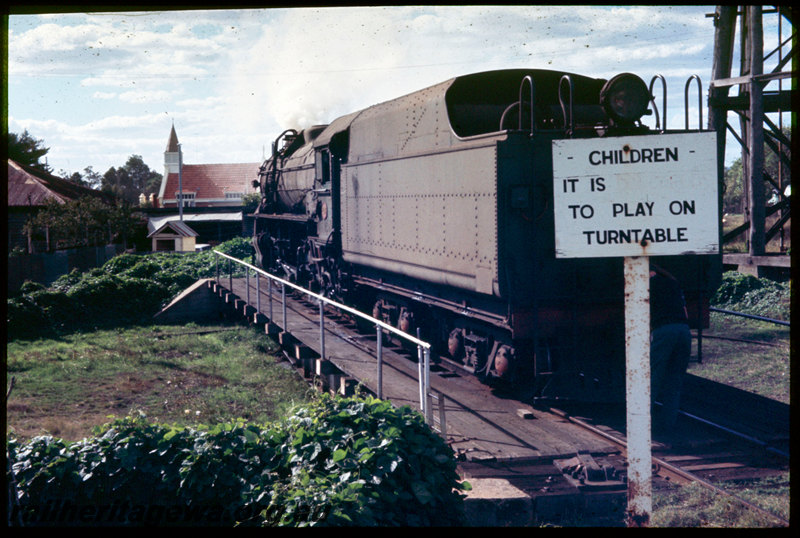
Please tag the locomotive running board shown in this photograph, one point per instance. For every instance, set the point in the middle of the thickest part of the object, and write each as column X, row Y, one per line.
column 493, row 319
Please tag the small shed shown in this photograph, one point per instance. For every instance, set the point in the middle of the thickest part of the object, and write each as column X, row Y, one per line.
column 173, row 235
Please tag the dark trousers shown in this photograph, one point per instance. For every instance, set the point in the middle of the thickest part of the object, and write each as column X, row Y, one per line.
column 670, row 347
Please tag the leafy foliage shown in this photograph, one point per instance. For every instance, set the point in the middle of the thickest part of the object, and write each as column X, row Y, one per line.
column 84, row 221
column 129, row 181
column 364, row 462
column 24, row 318
column 126, row 289
column 751, row 295
column 25, row 149
column 733, row 190
column 337, row 462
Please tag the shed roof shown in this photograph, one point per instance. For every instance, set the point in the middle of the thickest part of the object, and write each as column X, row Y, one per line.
column 176, row 226
column 153, row 223
column 28, row 186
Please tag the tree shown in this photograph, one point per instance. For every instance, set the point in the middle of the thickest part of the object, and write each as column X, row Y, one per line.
column 131, row 180
column 732, row 195
column 86, row 221
column 142, row 178
column 122, row 222
column 89, row 178
column 27, row 150
column 250, row 202
column 75, row 178
column 732, row 198
column 116, row 181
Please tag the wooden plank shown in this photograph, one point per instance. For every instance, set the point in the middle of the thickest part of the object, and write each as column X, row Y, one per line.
column 499, row 434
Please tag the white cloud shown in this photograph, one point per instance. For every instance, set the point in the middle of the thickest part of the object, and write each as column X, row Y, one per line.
column 231, row 80
column 145, row 96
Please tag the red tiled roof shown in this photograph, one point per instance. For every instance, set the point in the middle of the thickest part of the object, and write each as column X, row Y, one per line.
column 213, row 180
column 28, row 186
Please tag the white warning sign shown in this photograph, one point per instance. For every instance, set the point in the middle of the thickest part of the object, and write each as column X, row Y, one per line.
column 651, row 195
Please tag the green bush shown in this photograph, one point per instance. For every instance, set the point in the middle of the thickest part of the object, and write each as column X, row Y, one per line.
column 121, row 263
column 65, row 282
column 126, row 289
column 57, row 307
column 25, row 318
column 338, row 462
column 29, row 287
column 239, row 247
column 146, row 267
column 751, row 295
column 364, row 462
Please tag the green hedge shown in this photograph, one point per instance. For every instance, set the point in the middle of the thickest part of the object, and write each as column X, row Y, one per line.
column 339, row 461
column 128, row 288
column 751, row 295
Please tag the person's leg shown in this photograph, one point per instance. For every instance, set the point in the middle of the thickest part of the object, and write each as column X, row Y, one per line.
column 674, row 371
column 660, row 351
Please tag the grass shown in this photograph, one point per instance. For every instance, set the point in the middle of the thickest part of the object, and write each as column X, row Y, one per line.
column 184, row 375
column 762, row 368
column 695, row 506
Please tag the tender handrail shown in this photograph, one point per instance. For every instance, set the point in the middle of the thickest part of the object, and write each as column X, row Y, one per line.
column 699, row 100
column 381, row 324
column 505, row 112
column 561, row 102
column 664, row 100
column 529, row 79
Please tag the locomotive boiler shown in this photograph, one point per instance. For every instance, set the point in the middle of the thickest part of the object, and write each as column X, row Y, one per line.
column 434, row 212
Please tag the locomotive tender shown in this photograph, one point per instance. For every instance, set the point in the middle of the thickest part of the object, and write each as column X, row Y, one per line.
column 435, row 211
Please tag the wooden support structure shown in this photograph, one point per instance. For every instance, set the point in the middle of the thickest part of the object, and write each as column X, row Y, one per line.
column 755, row 102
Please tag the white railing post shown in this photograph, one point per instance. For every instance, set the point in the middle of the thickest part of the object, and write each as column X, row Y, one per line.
column 380, row 361
column 421, row 375
column 322, row 329
column 258, row 292
column 283, row 307
column 269, row 294
column 442, row 416
column 428, row 412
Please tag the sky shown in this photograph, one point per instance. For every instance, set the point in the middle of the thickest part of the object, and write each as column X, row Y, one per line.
column 99, row 87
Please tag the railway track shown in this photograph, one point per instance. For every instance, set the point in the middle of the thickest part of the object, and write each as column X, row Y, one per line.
column 711, row 446
column 720, row 455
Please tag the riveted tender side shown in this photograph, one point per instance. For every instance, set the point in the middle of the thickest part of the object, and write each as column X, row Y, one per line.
column 434, row 211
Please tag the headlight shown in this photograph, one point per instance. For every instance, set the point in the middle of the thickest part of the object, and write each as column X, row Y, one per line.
column 625, row 98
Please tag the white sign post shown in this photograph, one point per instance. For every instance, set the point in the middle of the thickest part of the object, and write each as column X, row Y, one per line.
column 635, row 197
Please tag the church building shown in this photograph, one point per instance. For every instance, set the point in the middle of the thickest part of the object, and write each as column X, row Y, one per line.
column 212, row 201
column 203, row 185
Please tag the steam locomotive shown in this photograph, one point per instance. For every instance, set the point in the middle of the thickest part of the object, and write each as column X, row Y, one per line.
column 434, row 212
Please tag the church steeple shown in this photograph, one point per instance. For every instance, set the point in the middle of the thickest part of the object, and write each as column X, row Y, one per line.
column 172, row 154
column 172, row 162
column 172, row 143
